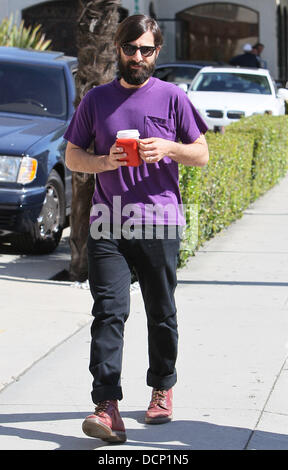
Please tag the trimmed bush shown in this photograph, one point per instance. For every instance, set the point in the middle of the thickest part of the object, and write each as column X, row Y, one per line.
column 270, row 156
column 245, row 161
column 225, row 183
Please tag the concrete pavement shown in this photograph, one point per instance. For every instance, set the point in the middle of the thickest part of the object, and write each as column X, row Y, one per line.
column 232, row 366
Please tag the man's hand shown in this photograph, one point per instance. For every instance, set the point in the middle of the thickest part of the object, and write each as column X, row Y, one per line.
column 153, row 149
column 78, row 159
column 115, row 158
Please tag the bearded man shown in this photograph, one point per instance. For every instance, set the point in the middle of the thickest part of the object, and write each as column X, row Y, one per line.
column 171, row 132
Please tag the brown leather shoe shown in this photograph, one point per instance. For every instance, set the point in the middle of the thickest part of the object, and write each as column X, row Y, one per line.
column 106, row 423
column 160, row 408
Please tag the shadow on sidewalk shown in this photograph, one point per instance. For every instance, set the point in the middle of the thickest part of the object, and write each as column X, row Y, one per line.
column 177, row 435
column 40, row 267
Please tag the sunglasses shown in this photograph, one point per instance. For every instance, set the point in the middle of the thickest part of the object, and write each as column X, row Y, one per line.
column 130, row 50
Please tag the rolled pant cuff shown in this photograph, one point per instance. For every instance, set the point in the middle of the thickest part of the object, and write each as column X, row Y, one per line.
column 106, row 393
column 161, row 383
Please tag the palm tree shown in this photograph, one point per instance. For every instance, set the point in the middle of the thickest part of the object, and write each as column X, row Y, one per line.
column 97, row 23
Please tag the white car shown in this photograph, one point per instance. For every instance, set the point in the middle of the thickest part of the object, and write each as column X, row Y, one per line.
column 225, row 94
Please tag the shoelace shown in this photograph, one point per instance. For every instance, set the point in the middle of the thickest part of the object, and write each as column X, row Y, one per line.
column 158, row 397
column 101, row 407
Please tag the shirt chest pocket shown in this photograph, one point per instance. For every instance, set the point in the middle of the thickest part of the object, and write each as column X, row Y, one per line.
column 159, row 127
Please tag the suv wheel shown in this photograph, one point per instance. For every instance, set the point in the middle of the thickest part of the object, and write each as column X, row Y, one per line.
column 49, row 226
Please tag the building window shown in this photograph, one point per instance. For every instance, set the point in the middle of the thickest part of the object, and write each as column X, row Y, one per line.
column 215, row 31
column 285, row 42
column 282, row 37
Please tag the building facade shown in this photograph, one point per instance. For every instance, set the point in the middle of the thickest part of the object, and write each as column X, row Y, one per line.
column 196, row 30
column 193, row 29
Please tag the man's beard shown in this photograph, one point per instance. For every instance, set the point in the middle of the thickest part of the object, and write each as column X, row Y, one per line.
column 135, row 76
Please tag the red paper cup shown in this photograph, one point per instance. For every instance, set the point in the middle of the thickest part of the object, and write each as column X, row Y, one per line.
column 127, row 141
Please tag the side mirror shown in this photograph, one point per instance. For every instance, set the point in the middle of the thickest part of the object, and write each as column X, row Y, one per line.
column 283, row 93
column 183, row 86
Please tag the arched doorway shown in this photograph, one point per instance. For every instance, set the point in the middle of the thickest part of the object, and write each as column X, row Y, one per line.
column 59, row 22
column 215, row 31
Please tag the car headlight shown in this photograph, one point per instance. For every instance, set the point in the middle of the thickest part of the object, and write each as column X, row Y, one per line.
column 17, row 169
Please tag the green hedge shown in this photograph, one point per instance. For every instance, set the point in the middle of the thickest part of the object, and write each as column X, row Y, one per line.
column 245, row 161
column 269, row 163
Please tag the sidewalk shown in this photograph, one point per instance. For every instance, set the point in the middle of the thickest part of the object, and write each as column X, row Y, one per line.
column 232, row 366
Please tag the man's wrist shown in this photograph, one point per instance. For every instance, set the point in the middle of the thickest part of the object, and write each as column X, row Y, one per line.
column 173, row 149
column 101, row 163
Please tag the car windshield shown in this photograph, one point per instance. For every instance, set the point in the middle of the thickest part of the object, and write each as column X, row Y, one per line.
column 232, row 82
column 176, row 74
column 32, row 89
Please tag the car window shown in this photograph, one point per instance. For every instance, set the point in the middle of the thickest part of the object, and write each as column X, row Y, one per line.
column 232, row 82
column 176, row 74
column 30, row 89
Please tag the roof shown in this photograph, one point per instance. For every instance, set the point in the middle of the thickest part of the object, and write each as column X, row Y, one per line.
column 235, row 70
column 198, row 64
column 32, row 55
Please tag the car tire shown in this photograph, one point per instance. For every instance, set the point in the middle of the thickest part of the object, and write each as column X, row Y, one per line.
column 47, row 231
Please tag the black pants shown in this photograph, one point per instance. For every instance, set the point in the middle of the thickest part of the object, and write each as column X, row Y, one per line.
column 110, row 262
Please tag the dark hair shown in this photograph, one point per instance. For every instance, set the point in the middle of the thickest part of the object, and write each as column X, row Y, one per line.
column 134, row 26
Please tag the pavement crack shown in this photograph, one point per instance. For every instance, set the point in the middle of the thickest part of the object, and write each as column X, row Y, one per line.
column 265, row 404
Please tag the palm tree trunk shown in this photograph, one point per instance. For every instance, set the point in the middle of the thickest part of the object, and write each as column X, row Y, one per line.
column 97, row 23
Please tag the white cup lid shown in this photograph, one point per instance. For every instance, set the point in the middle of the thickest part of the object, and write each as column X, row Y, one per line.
column 128, row 134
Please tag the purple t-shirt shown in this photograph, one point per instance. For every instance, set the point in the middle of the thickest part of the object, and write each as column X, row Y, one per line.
column 148, row 193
